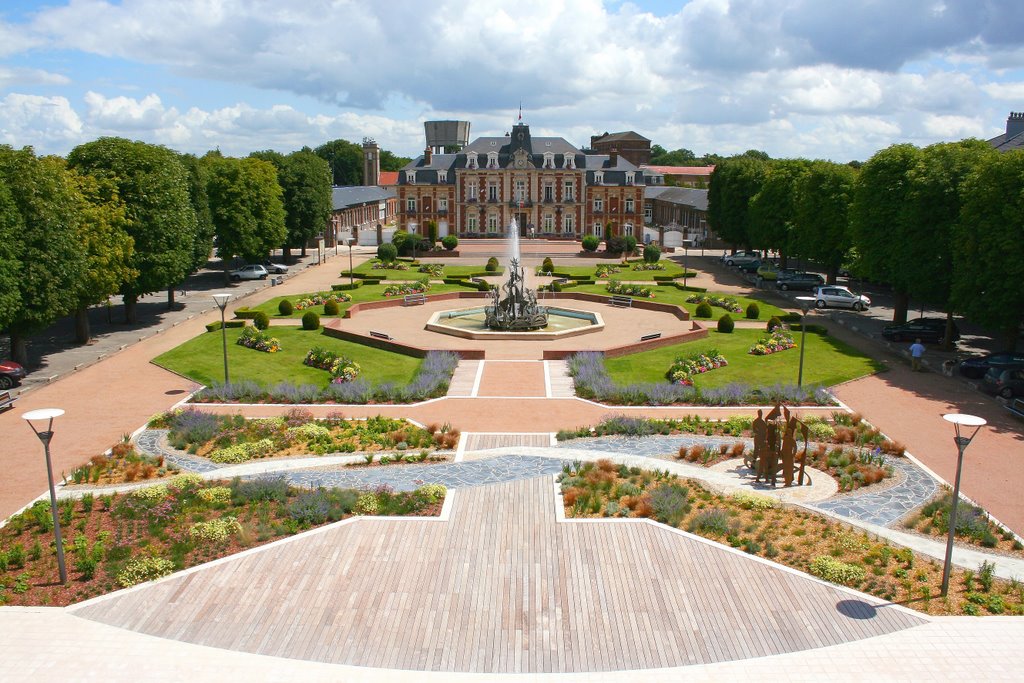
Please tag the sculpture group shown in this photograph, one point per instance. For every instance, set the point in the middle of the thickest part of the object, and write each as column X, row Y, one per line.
column 775, row 449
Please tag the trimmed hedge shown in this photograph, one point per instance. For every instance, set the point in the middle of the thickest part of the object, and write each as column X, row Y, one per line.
column 346, row 286
column 726, row 324
column 246, row 313
column 261, row 320
column 214, row 326
column 689, row 288
column 285, row 307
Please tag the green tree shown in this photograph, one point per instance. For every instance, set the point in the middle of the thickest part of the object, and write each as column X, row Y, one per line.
column 246, row 208
column 734, row 182
column 392, row 162
column 821, row 222
column 773, row 208
column 880, row 198
column 678, row 157
column 988, row 262
column 106, row 248
column 11, row 225
column 305, row 180
column 159, row 215
column 44, row 234
column 202, row 243
column 345, row 159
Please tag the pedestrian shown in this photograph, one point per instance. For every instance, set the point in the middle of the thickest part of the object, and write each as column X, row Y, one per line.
column 916, row 351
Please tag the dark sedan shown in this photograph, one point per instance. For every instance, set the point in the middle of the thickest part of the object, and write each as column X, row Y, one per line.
column 1005, row 383
column 11, row 373
column 975, row 368
column 928, row 330
column 799, row 280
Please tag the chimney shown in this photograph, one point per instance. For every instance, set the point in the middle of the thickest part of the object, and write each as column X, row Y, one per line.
column 427, row 156
column 1014, row 124
column 613, row 157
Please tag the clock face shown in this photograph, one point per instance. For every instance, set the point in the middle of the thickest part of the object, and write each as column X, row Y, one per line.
column 520, row 162
column 520, row 136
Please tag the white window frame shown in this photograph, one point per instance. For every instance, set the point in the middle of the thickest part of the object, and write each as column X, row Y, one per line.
column 472, row 160
column 569, row 191
column 648, row 213
column 520, row 192
column 630, row 177
column 629, row 205
column 410, row 205
column 442, row 176
column 471, row 224
column 569, row 161
column 597, row 228
column 471, row 190
column 568, row 223
column 549, row 159
column 410, row 177
column 549, row 191
column 598, row 204
column 442, row 203
column 549, row 223
column 492, row 222
column 492, row 160
column 599, row 177
column 492, row 191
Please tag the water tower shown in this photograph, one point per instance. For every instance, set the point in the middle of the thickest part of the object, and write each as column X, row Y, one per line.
column 446, row 134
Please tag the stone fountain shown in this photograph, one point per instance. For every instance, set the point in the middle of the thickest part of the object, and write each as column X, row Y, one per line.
column 518, row 309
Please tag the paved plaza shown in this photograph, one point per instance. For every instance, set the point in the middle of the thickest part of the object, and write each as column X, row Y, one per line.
column 501, row 585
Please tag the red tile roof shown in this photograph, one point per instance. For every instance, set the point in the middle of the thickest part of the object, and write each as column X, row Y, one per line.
column 681, row 170
column 387, row 178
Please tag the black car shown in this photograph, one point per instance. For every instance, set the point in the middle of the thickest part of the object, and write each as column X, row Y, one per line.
column 928, row 330
column 975, row 368
column 799, row 280
column 750, row 267
column 1005, row 383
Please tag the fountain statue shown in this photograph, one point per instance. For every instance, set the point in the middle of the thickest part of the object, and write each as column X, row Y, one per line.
column 518, row 309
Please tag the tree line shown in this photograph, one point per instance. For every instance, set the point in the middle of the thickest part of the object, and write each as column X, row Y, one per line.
column 131, row 218
column 941, row 224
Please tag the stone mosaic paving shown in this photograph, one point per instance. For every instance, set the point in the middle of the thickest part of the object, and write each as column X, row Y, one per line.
column 151, row 442
column 887, row 506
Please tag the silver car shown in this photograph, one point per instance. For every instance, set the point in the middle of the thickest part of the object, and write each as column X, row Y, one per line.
column 833, row 296
column 249, row 272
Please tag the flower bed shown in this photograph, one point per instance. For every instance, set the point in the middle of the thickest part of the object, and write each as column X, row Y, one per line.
column 342, row 368
column 792, row 536
column 120, row 540
column 322, row 298
column 683, row 369
column 605, row 270
column 726, row 302
column 403, row 288
column 779, row 340
column 260, row 340
column 649, row 266
column 432, row 269
column 389, row 265
column 121, row 465
column 616, row 287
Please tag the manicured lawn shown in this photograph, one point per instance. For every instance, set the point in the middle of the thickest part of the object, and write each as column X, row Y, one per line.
column 626, row 273
column 669, row 294
column 413, row 273
column 201, row 359
column 827, row 361
column 368, row 292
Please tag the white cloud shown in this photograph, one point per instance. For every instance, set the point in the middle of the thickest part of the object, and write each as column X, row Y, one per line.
column 1009, row 92
column 22, row 76
column 954, row 127
column 46, row 123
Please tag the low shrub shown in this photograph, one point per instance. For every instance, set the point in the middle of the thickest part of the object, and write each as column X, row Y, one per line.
column 548, row 265
column 754, row 501
column 591, row 242
column 713, row 522
column 670, row 503
column 214, row 530
column 331, row 308
column 726, row 324
column 285, row 307
column 753, row 312
column 367, row 504
column 243, row 452
column 141, row 569
column 260, row 489
column 703, row 310
column 310, row 321
column 261, row 320
column 652, row 253
column 215, row 495
column 449, row 242
column 831, row 569
column 773, row 324
column 492, row 265
column 214, row 326
column 387, row 252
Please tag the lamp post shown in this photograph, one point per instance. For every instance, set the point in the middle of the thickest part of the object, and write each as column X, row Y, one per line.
column 686, row 260
column 962, row 442
column 805, row 303
column 351, row 241
column 45, row 436
column 222, row 301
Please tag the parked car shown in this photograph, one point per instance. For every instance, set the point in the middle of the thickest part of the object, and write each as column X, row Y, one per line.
column 834, row 296
column 249, row 272
column 799, row 280
column 749, row 267
column 771, row 271
column 928, row 330
column 275, row 268
column 975, row 368
column 1005, row 383
column 741, row 257
column 11, row 374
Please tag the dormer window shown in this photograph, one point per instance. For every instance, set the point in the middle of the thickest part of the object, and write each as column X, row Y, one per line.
column 570, row 161
column 442, row 176
column 472, row 161
column 492, row 160
column 598, row 177
column 630, row 177
column 410, row 177
column 549, row 160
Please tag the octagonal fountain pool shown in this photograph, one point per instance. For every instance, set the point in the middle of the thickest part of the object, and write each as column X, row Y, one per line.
column 470, row 323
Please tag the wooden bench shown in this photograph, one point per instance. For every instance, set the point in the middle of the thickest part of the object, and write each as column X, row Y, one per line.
column 1016, row 406
column 622, row 301
column 380, row 335
column 417, row 299
column 7, row 400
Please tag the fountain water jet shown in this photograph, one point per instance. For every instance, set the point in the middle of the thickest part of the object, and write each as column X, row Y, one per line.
column 518, row 309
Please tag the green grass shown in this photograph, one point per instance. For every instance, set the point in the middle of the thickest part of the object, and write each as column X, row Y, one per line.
column 201, row 359
column 672, row 269
column 367, row 292
column 669, row 294
column 827, row 361
column 366, row 268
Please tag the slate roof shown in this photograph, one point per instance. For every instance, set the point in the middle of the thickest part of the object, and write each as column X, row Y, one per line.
column 354, row 195
column 1007, row 143
column 540, row 146
column 687, row 196
column 614, row 137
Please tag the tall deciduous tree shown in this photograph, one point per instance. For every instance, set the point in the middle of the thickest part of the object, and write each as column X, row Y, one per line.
column 305, row 181
column 392, row 162
column 11, row 225
column 202, row 243
column 773, row 208
column 988, row 261
column 822, row 214
column 880, row 198
column 345, row 159
column 106, row 248
column 45, row 233
column 160, row 218
column 246, row 208
column 734, row 182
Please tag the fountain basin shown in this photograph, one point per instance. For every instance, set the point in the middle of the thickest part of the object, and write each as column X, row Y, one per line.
column 468, row 323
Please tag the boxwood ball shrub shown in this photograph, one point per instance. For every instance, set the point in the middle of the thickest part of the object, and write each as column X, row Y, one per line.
column 261, row 320
column 387, row 252
column 285, row 307
column 773, row 323
column 753, row 311
column 492, row 265
column 449, row 242
column 703, row 310
column 331, row 308
column 310, row 321
column 630, row 244
column 591, row 242
column 548, row 266
column 726, row 324
column 652, row 253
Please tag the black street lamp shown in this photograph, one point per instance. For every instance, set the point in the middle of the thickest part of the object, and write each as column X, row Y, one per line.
column 962, row 442
column 805, row 303
column 222, row 301
column 45, row 436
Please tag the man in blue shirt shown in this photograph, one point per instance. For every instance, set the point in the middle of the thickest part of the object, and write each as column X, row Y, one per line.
column 916, row 351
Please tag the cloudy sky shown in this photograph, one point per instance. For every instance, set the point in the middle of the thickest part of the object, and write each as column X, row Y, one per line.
column 816, row 78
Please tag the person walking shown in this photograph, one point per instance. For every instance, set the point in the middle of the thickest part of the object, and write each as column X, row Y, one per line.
column 916, row 352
